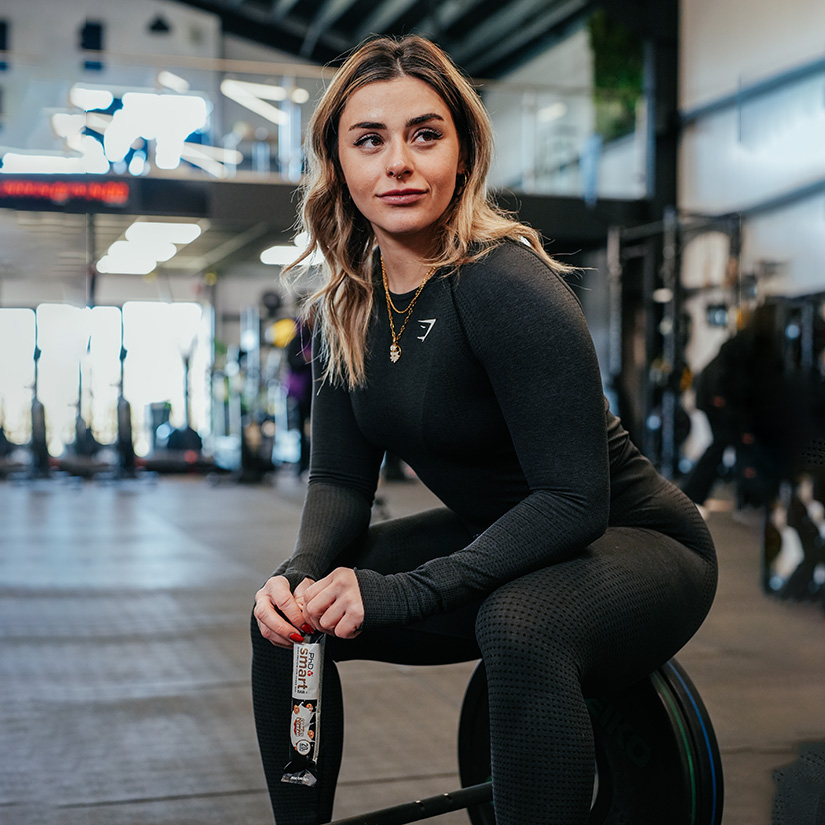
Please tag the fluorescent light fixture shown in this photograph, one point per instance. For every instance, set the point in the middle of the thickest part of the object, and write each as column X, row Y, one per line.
column 241, row 93
column 156, row 249
column 286, row 254
column 279, row 255
column 93, row 161
column 172, row 81
column 552, row 112
column 147, row 244
column 153, row 231
column 68, row 126
column 263, row 91
column 208, row 164
column 20, row 163
column 87, row 99
column 138, row 164
column 134, row 265
column 217, row 153
column 299, row 95
column 168, row 119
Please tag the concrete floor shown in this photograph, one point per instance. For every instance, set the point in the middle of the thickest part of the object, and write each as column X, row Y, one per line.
column 124, row 663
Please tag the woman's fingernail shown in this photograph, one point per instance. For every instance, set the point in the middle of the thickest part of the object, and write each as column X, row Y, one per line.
column 296, row 637
column 306, row 628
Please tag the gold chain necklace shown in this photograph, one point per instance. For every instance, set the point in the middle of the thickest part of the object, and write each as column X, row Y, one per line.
column 395, row 347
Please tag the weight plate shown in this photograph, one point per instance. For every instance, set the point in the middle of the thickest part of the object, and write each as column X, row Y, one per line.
column 656, row 754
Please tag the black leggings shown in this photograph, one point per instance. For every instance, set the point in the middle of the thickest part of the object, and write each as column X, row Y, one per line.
column 596, row 622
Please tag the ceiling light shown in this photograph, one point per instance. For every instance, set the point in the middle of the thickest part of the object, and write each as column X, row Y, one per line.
column 552, row 112
column 241, row 93
column 287, row 254
column 172, row 81
column 263, row 91
column 179, row 233
column 19, row 163
column 150, row 248
column 133, row 265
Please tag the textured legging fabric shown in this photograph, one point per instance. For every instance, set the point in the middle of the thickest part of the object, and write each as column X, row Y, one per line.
column 593, row 623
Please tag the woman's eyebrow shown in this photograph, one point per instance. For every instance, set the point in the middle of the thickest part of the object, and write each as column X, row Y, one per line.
column 424, row 118
column 369, row 124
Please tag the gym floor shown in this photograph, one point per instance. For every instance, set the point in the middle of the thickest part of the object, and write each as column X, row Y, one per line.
column 124, row 662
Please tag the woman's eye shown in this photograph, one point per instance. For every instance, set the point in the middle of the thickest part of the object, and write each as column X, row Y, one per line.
column 369, row 141
column 428, row 135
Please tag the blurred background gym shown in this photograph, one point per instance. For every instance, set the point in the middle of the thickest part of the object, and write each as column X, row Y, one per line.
column 153, row 400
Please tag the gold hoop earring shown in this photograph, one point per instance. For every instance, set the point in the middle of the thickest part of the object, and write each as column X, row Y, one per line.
column 461, row 180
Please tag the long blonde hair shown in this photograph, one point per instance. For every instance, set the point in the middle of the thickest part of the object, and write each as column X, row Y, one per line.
column 471, row 225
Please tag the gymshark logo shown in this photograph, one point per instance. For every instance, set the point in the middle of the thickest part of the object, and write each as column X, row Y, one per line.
column 427, row 324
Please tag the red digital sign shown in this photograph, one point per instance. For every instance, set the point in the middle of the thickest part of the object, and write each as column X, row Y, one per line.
column 111, row 193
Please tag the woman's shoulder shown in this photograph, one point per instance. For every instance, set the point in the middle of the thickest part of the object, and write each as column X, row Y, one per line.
column 512, row 269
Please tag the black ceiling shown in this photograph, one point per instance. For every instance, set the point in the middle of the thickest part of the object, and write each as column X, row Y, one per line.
column 485, row 37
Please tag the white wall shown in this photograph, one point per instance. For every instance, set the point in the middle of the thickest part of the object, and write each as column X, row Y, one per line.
column 50, row 29
column 723, row 42
column 769, row 146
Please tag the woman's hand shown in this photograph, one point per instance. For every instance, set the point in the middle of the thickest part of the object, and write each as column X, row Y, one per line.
column 276, row 594
column 334, row 604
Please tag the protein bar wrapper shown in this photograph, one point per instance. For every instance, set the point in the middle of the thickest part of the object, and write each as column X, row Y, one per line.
column 304, row 721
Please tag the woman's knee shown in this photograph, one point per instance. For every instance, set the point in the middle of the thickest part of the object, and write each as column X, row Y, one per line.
column 514, row 622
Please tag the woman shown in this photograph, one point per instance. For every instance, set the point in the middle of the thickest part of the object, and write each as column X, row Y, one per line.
column 448, row 337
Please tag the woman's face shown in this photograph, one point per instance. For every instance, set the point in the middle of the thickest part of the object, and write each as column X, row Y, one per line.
column 400, row 154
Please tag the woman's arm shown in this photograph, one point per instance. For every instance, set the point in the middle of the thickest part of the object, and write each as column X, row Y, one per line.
column 343, row 476
column 526, row 328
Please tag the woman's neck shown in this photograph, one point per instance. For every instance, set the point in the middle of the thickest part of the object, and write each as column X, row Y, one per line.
column 406, row 267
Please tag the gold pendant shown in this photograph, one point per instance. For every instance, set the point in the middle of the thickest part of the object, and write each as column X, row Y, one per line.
column 395, row 352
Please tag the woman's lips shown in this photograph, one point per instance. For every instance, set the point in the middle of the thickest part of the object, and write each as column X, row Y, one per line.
column 402, row 197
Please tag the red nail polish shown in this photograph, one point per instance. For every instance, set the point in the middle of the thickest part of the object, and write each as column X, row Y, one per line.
column 296, row 637
column 306, row 628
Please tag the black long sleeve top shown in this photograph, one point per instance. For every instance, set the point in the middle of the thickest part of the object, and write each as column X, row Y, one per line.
column 496, row 404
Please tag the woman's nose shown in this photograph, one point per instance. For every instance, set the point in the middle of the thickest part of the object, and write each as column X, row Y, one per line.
column 399, row 162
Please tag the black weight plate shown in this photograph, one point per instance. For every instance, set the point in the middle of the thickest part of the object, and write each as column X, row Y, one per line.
column 649, row 768
column 710, row 789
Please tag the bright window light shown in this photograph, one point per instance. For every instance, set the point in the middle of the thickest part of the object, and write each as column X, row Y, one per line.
column 149, row 231
column 184, row 319
column 62, row 336
column 154, row 333
column 16, row 372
